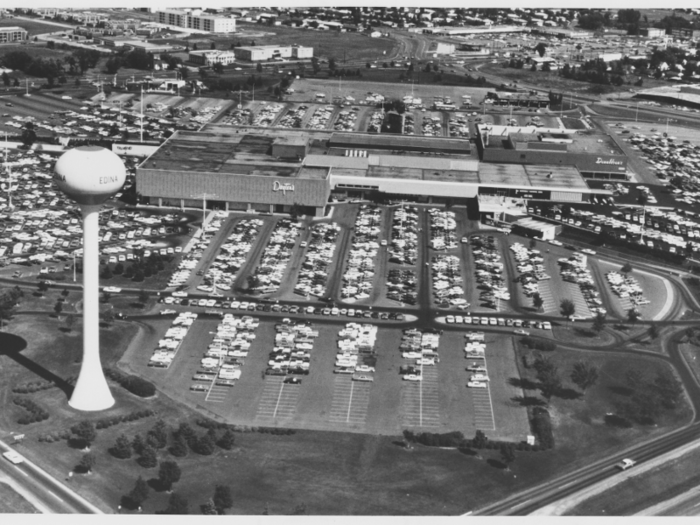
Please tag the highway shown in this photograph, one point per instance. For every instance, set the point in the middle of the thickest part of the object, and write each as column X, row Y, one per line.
column 53, row 495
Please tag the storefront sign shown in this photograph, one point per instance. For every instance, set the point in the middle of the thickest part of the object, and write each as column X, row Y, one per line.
column 608, row 161
column 284, row 187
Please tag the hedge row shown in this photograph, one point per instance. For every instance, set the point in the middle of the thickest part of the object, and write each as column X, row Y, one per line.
column 496, row 445
column 107, row 422
column 36, row 413
column 545, row 345
column 208, row 423
column 456, row 440
column 134, row 384
column 60, row 435
column 37, row 386
column 542, row 427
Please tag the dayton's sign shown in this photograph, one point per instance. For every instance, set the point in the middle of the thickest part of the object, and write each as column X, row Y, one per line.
column 608, row 161
column 283, row 187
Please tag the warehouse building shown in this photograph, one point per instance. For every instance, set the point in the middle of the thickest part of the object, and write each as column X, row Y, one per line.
column 12, row 34
column 595, row 155
column 260, row 53
column 269, row 170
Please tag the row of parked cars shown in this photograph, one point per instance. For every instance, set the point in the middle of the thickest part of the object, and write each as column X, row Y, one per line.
column 404, row 236
column 670, row 158
column 356, row 354
column 475, row 348
column 448, row 284
column 402, row 286
column 358, row 279
column 318, row 258
column 191, row 259
column 443, row 229
column 498, row 321
column 270, row 271
column 293, row 118
column 626, row 286
column 237, row 117
column 420, row 348
column 346, row 120
column 291, row 354
column 431, row 126
column 168, row 346
column 376, row 120
column 488, row 270
column 575, row 269
column 459, row 126
column 530, row 266
column 232, row 254
column 267, row 114
column 408, row 124
column 225, row 356
column 320, row 117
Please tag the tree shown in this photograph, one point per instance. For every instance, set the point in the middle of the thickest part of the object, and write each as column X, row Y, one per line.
column 69, row 321
column 204, row 445
column 179, row 447
column 599, row 322
column 168, row 474
column 148, row 458
column 669, row 389
column 209, row 508
column 218, row 68
column 633, row 315
column 259, row 67
column 223, row 500
column 28, row 135
column 299, row 510
column 77, row 82
column 537, row 301
column 5, row 78
column 533, row 67
column 626, row 268
column 479, row 440
column 121, row 448
column 177, row 504
column 584, row 375
column 85, row 432
column 139, row 493
column 567, row 308
column 653, row 332
column 507, row 453
column 331, row 64
column 227, row 440
column 548, row 376
column 143, row 296
column 541, row 49
column 86, row 463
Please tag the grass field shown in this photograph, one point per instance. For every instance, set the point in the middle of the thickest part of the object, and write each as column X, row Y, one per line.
column 33, row 27
column 12, row 503
column 34, row 51
column 645, row 490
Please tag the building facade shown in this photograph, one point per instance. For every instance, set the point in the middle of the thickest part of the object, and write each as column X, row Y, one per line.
column 210, row 57
column 197, row 20
column 12, row 34
column 260, row 53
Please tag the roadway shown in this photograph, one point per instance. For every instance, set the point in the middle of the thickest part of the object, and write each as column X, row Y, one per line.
column 53, row 496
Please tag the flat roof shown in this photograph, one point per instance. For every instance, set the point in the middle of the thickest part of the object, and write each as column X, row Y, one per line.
column 581, row 142
column 547, row 177
column 398, row 142
column 234, row 153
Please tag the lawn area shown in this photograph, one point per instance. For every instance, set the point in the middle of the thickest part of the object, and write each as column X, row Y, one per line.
column 35, row 51
column 33, row 27
column 554, row 81
column 579, row 422
column 645, row 490
column 12, row 503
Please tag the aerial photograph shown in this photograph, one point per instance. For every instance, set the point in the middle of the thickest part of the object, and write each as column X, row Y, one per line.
column 349, row 261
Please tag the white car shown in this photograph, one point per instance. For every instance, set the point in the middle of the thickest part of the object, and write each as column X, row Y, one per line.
column 521, row 332
column 167, row 312
column 412, row 377
column 112, row 289
column 626, row 463
column 363, row 378
column 587, row 251
column 13, row 457
column 364, row 368
column 476, row 384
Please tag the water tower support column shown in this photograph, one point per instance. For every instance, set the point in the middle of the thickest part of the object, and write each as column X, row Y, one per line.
column 91, row 391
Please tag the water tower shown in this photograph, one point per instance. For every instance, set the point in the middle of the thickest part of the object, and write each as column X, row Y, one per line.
column 90, row 175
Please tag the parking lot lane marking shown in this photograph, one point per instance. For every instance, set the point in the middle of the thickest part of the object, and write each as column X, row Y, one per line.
column 352, row 389
column 279, row 396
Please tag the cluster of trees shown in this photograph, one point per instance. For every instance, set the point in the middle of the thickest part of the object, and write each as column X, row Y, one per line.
column 138, row 270
column 35, row 412
column 593, row 71
column 9, row 298
column 53, row 70
column 342, row 73
column 644, row 396
column 134, row 384
column 131, row 59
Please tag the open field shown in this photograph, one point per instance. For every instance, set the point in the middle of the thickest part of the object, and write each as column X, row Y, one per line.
column 34, row 51
column 306, row 89
column 12, row 503
column 33, row 27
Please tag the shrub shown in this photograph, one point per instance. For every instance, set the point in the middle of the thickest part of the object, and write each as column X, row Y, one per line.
column 36, row 413
column 134, row 384
column 449, row 439
column 542, row 427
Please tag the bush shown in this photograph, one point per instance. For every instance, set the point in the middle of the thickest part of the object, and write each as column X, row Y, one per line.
column 542, row 427
column 429, row 439
column 134, row 384
column 36, row 413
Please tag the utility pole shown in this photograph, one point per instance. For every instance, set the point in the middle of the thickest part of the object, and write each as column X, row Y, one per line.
column 141, row 120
